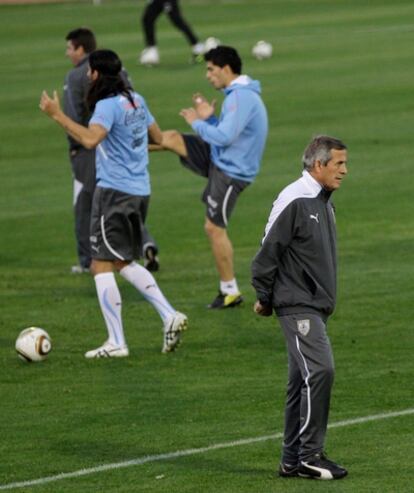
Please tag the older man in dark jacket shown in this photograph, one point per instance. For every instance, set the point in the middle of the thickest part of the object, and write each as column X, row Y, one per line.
column 294, row 273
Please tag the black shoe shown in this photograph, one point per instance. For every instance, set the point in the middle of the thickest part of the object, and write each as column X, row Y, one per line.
column 151, row 261
column 226, row 300
column 320, row 467
column 288, row 471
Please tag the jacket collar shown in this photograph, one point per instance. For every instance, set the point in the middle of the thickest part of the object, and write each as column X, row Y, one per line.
column 315, row 187
column 243, row 80
column 84, row 60
column 311, row 183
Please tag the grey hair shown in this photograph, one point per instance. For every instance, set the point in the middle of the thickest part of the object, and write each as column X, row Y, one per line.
column 319, row 149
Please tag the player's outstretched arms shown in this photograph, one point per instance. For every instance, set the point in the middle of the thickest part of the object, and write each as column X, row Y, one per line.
column 89, row 137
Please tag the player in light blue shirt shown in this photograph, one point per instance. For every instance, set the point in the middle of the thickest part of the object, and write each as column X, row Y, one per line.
column 122, row 157
column 227, row 151
column 120, row 128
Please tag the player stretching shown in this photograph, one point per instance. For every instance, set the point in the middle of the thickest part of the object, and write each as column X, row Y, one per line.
column 227, row 151
column 120, row 127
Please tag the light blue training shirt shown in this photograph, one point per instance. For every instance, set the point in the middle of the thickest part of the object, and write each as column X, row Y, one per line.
column 237, row 138
column 122, row 157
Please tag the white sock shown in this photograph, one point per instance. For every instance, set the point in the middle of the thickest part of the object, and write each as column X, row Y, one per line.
column 145, row 283
column 111, row 304
column 229, row 287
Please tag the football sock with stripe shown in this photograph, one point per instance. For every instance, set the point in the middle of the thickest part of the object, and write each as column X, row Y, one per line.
column 111, row 305
column 145, row 283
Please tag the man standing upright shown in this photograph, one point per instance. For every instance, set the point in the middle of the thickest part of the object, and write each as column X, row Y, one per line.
column 227, row 151
column 294, row 273
column 79, row 44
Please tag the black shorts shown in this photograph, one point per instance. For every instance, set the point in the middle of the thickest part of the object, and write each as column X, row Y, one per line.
column 116, row 224
column 221, row 192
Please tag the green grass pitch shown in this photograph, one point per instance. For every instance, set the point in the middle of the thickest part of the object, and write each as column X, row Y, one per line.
column 341, row 67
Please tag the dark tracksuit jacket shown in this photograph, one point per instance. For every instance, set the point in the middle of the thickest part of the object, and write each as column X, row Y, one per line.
column 295, row 272
column 75, row 90
column 295, row 268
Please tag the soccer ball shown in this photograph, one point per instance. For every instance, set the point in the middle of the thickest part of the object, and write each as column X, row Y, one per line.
column 33, row 344
column 210, row 44
column 262, row 50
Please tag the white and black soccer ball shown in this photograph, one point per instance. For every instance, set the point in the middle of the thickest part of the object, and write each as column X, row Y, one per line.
column 33, row 344
column 262, row 49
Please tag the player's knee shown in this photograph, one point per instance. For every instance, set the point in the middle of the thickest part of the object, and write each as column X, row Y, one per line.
column 209, row 228
column 92, row 268
column 101, row 266
column 212, row 230
column 172, row 140
column 120, row 264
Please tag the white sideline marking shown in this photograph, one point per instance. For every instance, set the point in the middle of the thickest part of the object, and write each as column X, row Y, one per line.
column 193, row 451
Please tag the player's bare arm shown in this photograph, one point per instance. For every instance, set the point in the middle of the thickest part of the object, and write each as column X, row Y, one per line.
column 154, row 137
column 89, row 137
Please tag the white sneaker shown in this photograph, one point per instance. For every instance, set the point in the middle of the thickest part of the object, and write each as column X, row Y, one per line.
column 150, row 56
column 108, row 350
column 198, row 49
column 211, row 43
column 172, row 331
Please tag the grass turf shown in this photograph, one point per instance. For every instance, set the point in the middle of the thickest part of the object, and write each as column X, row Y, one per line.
column 342, row 68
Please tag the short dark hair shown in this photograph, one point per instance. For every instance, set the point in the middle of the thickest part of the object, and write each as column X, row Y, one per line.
column 82, row 37
column 319, row 149
column 225, row 55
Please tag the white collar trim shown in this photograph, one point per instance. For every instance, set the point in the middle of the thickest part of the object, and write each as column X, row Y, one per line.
column 310, row 181
column 243, row 80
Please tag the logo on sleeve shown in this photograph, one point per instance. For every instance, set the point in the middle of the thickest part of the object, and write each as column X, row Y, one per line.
column 315, row 216
column 303, row 327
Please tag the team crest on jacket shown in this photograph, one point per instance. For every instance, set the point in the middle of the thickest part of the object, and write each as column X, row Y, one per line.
column 303, row 327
